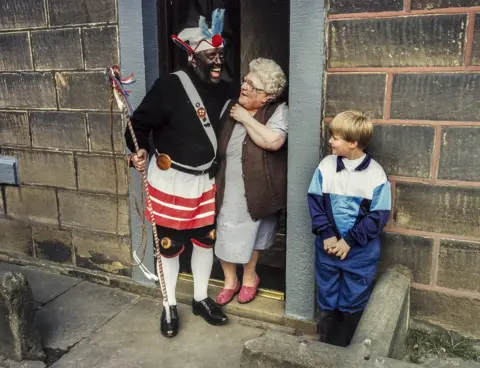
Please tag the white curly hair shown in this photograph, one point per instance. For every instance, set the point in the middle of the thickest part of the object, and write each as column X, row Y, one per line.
column 270, row 74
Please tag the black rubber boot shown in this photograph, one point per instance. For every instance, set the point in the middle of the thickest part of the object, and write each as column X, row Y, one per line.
column 351, row 321
column 347, row 326
column 326, row 325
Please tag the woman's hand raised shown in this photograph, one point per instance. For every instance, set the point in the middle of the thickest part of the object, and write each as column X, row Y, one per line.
column 239, row 114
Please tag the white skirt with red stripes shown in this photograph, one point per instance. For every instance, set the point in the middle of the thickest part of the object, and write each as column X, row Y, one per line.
column 180, row 201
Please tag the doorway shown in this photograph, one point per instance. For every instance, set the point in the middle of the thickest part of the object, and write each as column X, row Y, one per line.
column 253, row 28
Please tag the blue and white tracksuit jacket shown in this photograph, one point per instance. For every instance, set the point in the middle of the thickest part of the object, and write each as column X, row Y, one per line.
column 353, row 204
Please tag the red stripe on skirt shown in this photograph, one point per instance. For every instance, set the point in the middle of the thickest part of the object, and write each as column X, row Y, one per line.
column 182, row 225
column 182, row 214
column 181, row 201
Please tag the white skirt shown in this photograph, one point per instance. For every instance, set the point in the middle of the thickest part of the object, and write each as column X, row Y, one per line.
column 179, row 200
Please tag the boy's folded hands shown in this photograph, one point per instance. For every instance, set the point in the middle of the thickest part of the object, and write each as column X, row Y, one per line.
column 327, row 243
column 339, row 248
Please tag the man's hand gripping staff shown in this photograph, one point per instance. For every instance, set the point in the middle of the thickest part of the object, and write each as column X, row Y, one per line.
column 139, row 158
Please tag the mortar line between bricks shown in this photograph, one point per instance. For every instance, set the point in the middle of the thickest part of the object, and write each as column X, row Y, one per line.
column 68, row 28
column 435, row 260
column 72, row 190
column 27, row 108
column 443, row 290
column 47, row 13
column 442, row 183
column 62, row 151
column 429, row 234
column 417, row 122
column 50, row 109
column 65, row 227
column 437, row 147
column 469, row 36
column 97, row 71
column 84, row 111
column 30, row 48
column 75, row 168
column 82, row 47
column 59, row 70
column 23, row 111
column 388, row 96
column 117, row 16
column 58, row 208
column 88, row 132
column 63, row 26
column 403, row 13
column 405, row 69
column 407, row 6
column 29, row 118
column 99, row 111
column 57, row 92
column 427, row 122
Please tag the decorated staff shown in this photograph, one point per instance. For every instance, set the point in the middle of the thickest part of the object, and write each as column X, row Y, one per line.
column 121, row 97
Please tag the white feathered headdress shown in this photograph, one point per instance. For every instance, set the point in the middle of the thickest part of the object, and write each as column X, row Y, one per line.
column 202, row 38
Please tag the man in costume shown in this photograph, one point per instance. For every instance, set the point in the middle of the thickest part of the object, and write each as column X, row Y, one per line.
column 181, row 111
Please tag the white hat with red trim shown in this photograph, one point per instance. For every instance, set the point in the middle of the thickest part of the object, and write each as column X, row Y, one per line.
column 202, row 38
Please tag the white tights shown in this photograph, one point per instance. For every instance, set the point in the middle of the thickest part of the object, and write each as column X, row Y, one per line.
column 202, row 261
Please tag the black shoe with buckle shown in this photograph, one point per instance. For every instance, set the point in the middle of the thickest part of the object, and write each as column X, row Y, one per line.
column 210, row 311
column 169, row 329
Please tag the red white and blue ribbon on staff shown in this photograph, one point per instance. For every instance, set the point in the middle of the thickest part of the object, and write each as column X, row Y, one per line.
column 118, row 82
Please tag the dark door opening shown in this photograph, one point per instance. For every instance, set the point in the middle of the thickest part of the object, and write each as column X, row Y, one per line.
column 253, row 28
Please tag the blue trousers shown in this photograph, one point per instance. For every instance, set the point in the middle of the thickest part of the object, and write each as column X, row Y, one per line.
column 345, row 285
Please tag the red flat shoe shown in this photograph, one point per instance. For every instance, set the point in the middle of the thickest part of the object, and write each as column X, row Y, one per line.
column 248, row 293
column 225, row 296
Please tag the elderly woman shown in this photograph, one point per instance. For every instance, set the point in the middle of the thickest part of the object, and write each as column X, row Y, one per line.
column 251, row 181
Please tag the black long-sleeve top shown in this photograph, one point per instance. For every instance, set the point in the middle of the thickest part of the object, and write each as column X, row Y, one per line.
column 167, row 112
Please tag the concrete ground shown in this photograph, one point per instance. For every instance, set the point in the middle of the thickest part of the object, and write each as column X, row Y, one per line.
column 89, row 325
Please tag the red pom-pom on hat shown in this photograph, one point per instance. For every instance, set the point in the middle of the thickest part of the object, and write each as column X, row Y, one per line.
column 217, row 40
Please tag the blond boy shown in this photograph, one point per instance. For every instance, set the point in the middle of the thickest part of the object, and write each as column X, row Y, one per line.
column 349, row 200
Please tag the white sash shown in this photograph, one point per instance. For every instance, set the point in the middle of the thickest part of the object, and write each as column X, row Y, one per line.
column 198, row 105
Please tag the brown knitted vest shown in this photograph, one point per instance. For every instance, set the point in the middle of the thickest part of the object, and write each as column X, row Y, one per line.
column 264, row 172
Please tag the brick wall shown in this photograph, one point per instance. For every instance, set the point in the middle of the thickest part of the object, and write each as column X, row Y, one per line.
column 54, row 117
column 414, row 66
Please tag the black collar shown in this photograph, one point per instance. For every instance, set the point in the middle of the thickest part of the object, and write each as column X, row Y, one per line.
column 363, row 165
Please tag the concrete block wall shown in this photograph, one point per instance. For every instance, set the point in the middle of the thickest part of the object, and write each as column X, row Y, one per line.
column 55, row 118
column 414, row 66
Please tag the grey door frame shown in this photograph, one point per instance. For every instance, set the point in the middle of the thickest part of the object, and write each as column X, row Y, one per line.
column 137, row 29
column 307, row 18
